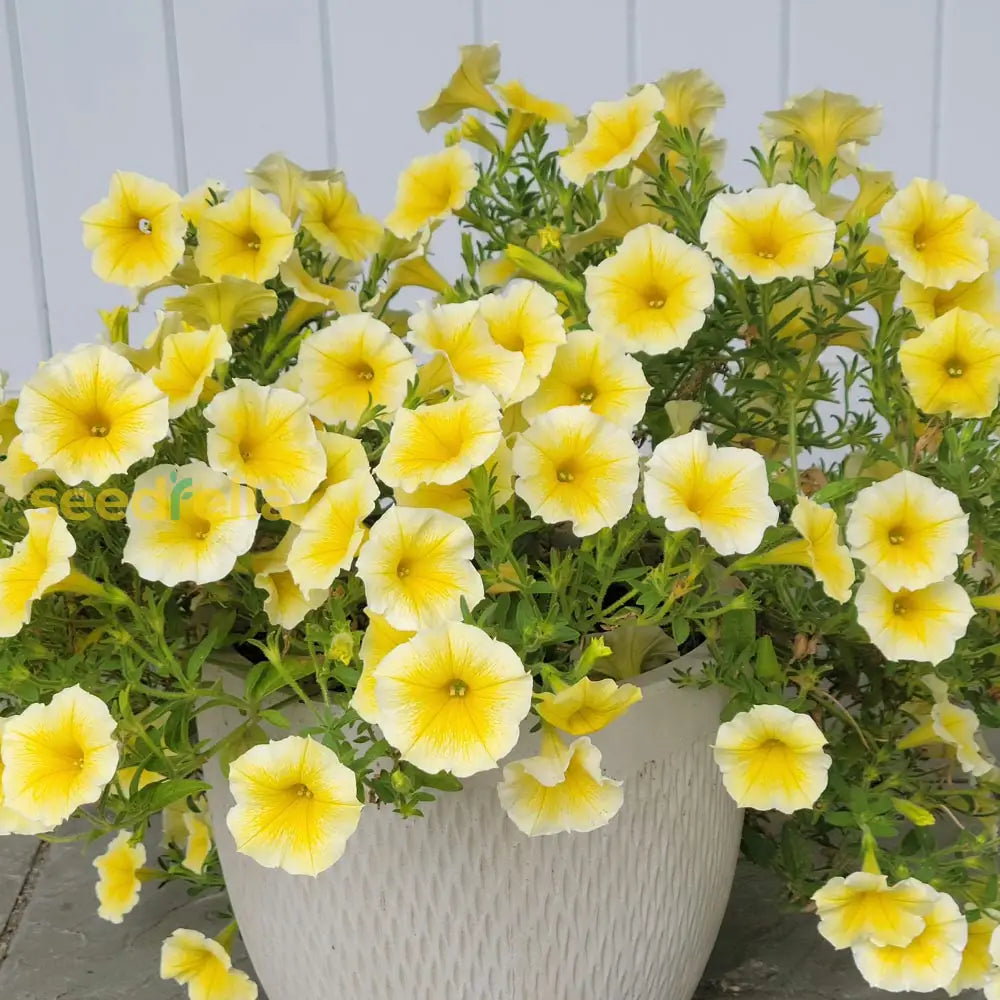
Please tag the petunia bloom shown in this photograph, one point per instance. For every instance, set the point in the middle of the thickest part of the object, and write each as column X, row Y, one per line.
column 331, row 215
column 467, row 88
column 287, row 603
column 829, row 560
column 204, row 967
column 379, row 640
column 199, row 841
column 928, row 304
column 430, row 188
column 824, row 121
column 118, row 883
column 231, row 303
column 346, row 459
column 19, row 474
column 11, row 821
column 978, row 966
column 187, row 360
column 586, row 706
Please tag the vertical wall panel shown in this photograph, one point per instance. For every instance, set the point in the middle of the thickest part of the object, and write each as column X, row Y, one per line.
column 97, row 97
column 251, row 82
column 738, row 45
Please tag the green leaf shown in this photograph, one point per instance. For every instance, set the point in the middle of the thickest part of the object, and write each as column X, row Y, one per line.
column 840, row 488
column 156, row 797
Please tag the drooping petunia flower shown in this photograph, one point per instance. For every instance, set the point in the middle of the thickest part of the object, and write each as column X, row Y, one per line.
column 137, row 232
column 204, row 967
column 417, row 567
column 690, row 99
column 430, row 188
column 622, row 210
column 315, row 297
column 572, row 465
column 651, row 295
column 588, row 370
column 231, row 303
column 331, row 215
column 863, row 907
column 188, row 523
column 200, row 198
column 379, row 640
column 526, row 108
column 586, row 706
column 768, row 233
column 37, row 562
column 287, row 603
column 772, row 758
column 346, row 458
column 296, row 805
column 720, row 492
column 58, row 756
column 829, row 560
column 441, row 442
column 284, row 178
column 935, row 237
column 118, row 883
column 452, row 699
column 928, row 304
column 20, row 474
column 953, row 366
column 187, row 360
column 617, row 132
column 978, row 965
column 467, row 88
column 824, row 121
column 199, row 841
column 11, row 821
column 88, row 415
column 561, row 790
column 263, row 436
column 247, row 236
column 351, row 365
column 908, row 531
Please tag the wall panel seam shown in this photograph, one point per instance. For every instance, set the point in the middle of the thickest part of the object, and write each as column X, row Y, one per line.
column 784, row 50
column 326, row 62
column 174, row 94
column 937, row 88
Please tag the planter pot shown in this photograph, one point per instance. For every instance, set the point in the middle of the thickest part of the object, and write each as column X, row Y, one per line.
column 460, row 905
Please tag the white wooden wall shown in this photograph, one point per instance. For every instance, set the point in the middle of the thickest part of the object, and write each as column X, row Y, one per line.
column 188, row 89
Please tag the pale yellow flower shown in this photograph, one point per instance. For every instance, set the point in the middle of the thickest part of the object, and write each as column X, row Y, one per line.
column 351, row 365
column 264, row 437
column 19, row 474
column 346, row 459
column 312, row 292
column 590, row 371
column 467, row 88
column 118, row 884
column 829, row 560
column 331, row 215
column 935, row 237
column 572, row 465
column 690, row 99
column 772, row 758
column 188, row 523
column 379, row 640
column 417, row 569
column 430, row 188
column 11, row 821
column 863, row 907
column 526, row 108
column 586, row 706
column 824, row 121
column 929, row 962
column 127, row 775
column 296, row 805
column 247, row 236
column 977, row 962
column 907, row 531
column 200, row 198
column 204, row 967
column 651, row 295
column 199, row 841
column 231, row 303
column 768, row 233
column 617, row 132
column 928, row 304
column 452, row 699
column 441, row 442
column 284, row 178
column 88, row 415
column 622, row 210
column 720, row 492
column 287, row 603
column 187, row 359
column 561, row 790
column 137, row 232
column 58, row 756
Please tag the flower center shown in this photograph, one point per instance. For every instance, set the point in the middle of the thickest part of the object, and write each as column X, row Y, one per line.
column 955, row 367
column 766, row 248
column 656, row 299
column 301, row 791
column 458, row 688
column 896, row 535
column 145, row 227
column 246, row 451
column 900, row 606
column 99, row 430
column 587, row 394
column 403, row 569
column 365, row 373
column 920, row 237
column 565, row 475
column 253, row 241
column 200, row 528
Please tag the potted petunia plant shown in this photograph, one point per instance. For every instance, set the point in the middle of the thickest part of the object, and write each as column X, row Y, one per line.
column 451, row 622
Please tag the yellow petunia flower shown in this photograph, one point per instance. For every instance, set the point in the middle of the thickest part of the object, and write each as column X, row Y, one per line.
column 651, row 295
column 617, row 132
column 907, row 531
column 417, row 569
column 332, row 216
column 978, row 964
column 296, row 805
column 351, row 365
column 519, row 98
column 11, row 821
column 284, row 178
column 586, row 706
column 824, row 121
column 935, row 237
column 199, row 199
column 768, row 233
column 19, row 475
column 452, row 699
column 204, row 967
column 772, row 758
column 928, row 304
column 720, row 492
column 622, row 210
column 263, row 436
column 38, row 561
column 199, row 841
column 440, row 443
column 929, row 962
column 118, row 884
column 379, row 640
column 247, row 236
column 287, row 603
column 690, row 99
column 346, row 458
column 188, row 523
column 864, row 908
column 87, row 415
column 459, row 332
column 562, row 790
column 467, row 88
column 875, row 188
column 829, row 560
column 137, row 232
column 187, row 359
column 58, row 756
column 572, row 465
column 315, row 297
column 231, row 303
column 590, row 371
column 525, row 320
column 431, row 188
column 953, row 366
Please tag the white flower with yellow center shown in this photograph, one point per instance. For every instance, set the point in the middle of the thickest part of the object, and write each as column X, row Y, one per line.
column 346, row 458
column 296, row 805
column 287, row 603
column 431, row 188
column 19, row 474
column 331, row 215
column 188, row 523
column 978, row 965
column 417, row 568
column 118, row 883
column 204, row 967
column 12, row 821
column 586, row 706
column 379, row 640
column 452, row 699
column 829, row 560
column 928, row 304
column 187, row 360
column 199, row 841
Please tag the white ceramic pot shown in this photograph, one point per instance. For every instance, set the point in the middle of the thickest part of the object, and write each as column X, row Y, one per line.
column 460, row 905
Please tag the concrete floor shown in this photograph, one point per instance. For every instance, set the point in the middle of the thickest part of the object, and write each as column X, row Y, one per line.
column 53, row 946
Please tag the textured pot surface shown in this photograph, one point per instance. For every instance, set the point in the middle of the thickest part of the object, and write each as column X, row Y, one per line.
column 461, row 906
